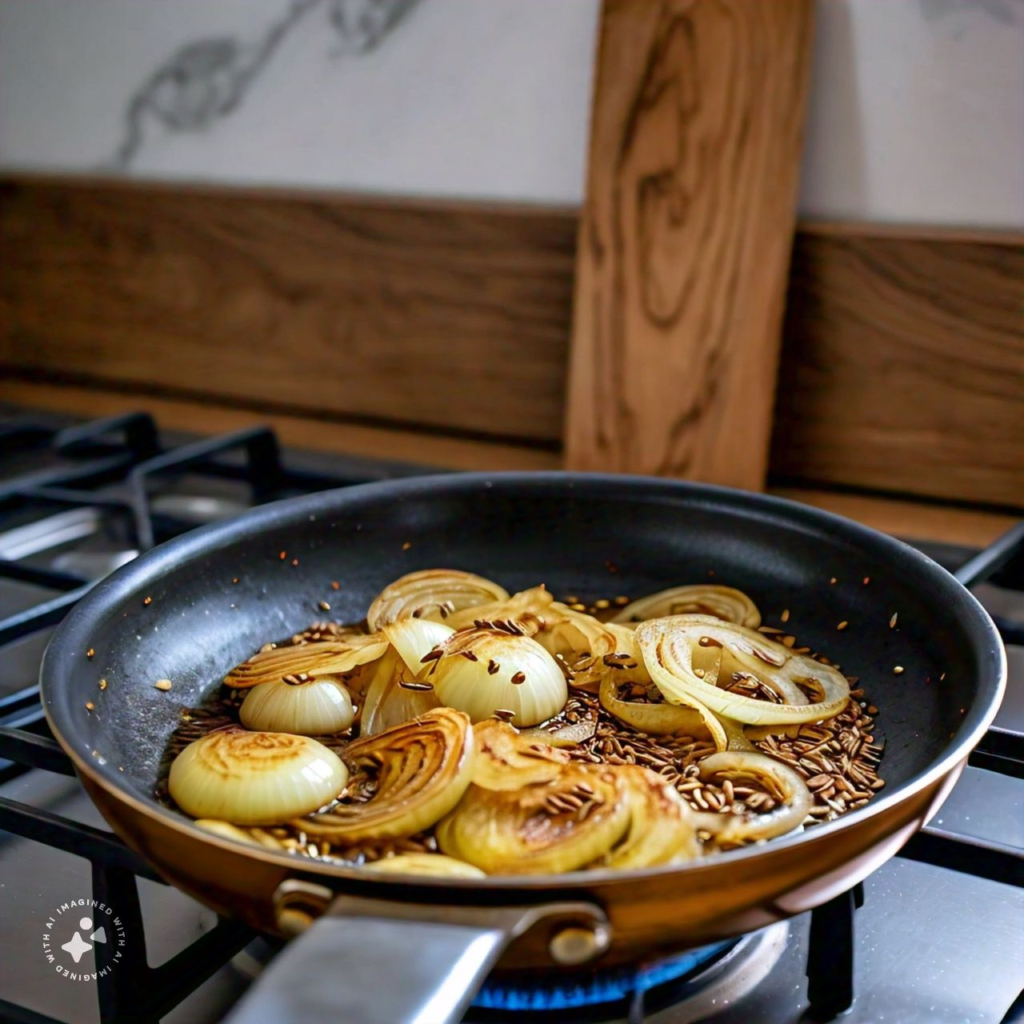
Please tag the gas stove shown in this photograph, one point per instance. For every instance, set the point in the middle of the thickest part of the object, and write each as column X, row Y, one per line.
column 936, row 935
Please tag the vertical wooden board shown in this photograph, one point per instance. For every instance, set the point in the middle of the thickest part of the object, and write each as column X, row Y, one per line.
column 685, row 239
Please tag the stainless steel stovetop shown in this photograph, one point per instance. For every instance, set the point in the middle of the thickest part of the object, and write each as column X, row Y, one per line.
column 939, row 937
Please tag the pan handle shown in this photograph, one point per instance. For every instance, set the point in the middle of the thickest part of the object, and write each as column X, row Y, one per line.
column 371, row 961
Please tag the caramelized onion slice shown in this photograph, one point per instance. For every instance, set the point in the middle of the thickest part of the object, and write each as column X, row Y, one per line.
column 563, row 734
column 389, row 699
column 317, row 707
column 661, row 824
column 724, row 603
column 431, row 594
column 654, row 719
column 484, row 670
column 785, row 785
column 435, row 865
column 559, row 826
column 676, row 649
column 507, row 759
column 316, row 658
column 421, row 769
column 254, row 778
column 583, row 643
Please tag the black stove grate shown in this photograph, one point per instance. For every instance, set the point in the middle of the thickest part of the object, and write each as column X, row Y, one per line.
column 122, row 468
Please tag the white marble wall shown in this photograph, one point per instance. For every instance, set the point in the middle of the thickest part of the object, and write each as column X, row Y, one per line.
column 917, row 109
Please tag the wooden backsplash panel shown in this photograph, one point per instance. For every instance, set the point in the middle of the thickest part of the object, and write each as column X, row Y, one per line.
column 902, row 366
column 453, row 317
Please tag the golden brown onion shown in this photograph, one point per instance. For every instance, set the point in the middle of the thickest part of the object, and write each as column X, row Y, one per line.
column 421, row 769
column 654, row 719
column 558, row 826
column 316, row 707
column 390, row 701
column 698, row 599
column 315, row 658
column 486, row 670
column 677, row 650
column 590, row 648
column 661, row 824
column 432, row 864
column 786, row 787
column 431, row 594
column 505, row 759
column 255, row 778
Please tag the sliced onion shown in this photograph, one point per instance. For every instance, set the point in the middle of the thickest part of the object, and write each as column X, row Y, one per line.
column 584, row 644
column 422, row 769
column 316, row 658
column 484, row 671
column 562, row 734
column 654, row 719
column 526, row 831
column 431, row 594
column 507, row 759
column 390, row 701
column 318, row 707
column 725, row 603
column 785, row 785
column 255, row 778
column 661, row 824
column 413, row 638
column 431, row 864
column 254, row 836
column 671, row 648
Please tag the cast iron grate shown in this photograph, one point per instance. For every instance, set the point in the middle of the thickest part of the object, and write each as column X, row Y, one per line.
column 119, row 467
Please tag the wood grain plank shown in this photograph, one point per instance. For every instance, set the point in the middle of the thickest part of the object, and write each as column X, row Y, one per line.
column 909, row 520
column 297, row 431
column 684, row 241
column 903, row 366
column 900, row 518
column 902, row 370
column 440, row 314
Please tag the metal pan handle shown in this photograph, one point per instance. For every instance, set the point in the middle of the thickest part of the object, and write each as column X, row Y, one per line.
column 370, row 961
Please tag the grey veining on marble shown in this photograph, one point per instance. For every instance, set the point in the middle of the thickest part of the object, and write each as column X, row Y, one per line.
column 204, row 81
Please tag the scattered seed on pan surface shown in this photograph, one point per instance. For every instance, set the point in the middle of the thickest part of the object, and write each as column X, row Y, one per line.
column 163, row 684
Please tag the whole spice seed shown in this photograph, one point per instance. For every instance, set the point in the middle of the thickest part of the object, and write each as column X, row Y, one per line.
column 785, row 615
column 842, row 625
column 103, row 684
column 518, row 678
column 898, row 670
column 324, row 606
column 892, row 621
column 163, row 684
column 91, row 653
column 492, row 667
column 147, row 601
column 411, row 684
column 89, row 706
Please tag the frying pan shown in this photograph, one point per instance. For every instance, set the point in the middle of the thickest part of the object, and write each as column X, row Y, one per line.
column 388, row 949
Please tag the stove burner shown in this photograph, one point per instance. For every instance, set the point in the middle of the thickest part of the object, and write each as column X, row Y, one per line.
column 567, row 991
column 691, row 987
